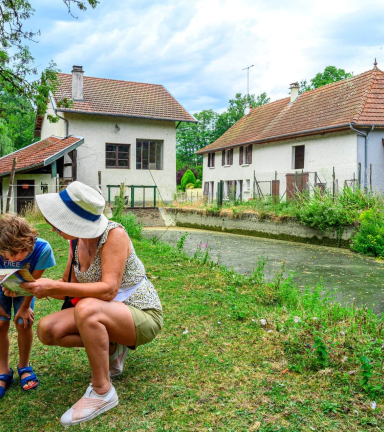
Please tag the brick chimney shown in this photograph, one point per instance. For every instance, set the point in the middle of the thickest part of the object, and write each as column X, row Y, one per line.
column 294, row 91
column 77, row 83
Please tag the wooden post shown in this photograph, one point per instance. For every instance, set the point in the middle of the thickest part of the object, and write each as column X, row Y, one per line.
column 359, row 174
column 11, row 179
column 370, row 178
column 333, row 182
column 73, row 156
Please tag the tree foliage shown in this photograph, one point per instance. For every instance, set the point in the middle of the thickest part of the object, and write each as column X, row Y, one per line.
column 188, row 178
column 192, row 137
column 331, row 74
column 16, row 60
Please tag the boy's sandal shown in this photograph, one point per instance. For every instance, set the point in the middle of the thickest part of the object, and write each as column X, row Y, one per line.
column 8, row 379
column 31, row 377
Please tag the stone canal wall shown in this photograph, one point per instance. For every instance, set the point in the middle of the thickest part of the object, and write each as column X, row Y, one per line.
column 252, row 224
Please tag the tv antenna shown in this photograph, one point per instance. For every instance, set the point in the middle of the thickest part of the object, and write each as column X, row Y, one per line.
column 247, row 108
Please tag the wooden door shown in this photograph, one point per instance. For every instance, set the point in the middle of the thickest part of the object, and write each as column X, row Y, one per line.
column 25, row 194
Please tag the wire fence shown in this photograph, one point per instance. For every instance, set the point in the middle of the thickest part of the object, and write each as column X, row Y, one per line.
column 190, row 196
column 288, row 186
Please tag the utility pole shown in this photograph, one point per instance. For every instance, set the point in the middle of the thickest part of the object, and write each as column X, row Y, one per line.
column 248, row 67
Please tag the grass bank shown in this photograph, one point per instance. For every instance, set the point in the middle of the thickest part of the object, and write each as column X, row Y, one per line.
column 236, row 354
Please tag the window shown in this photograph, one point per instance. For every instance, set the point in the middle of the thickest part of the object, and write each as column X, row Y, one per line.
column 211, row 160
column 248, row 155
column 149, row 154
column 117, row 155
column 298, row 157
column 227, row 157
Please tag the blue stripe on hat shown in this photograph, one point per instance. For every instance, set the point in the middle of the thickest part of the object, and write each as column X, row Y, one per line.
column 75, row 208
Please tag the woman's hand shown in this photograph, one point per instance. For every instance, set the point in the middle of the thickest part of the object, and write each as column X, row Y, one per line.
column 26, row 314
column 40, row 289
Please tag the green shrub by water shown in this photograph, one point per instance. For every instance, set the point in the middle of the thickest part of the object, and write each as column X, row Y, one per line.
column 131, row 224
column 369, row 238
column 187, row 178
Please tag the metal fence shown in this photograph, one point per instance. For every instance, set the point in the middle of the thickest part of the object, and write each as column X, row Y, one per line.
column 287, row 186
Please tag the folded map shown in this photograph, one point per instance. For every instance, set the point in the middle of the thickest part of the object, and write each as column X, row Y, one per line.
column 11, row 278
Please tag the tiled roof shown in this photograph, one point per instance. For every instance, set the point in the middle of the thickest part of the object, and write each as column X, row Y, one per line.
column 41, row 153
column 357, row 100
column 122, row 98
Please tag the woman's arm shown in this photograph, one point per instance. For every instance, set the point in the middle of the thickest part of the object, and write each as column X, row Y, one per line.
column 113, row 255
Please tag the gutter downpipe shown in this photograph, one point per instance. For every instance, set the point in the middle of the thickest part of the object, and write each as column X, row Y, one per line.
column 366, row 139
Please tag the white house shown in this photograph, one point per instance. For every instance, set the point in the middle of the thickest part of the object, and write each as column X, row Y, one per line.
column 330, row 137
column 127, row 132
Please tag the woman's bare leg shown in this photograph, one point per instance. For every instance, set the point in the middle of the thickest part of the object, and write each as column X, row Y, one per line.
column 99, row 322
column 60, row 329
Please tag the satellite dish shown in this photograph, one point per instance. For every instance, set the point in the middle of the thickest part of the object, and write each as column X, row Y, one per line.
column 247, row 110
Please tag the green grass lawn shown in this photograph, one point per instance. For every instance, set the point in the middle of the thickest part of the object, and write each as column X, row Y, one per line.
column 225, row 372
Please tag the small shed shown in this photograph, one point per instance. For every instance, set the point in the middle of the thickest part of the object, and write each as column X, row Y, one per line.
column 39, row 169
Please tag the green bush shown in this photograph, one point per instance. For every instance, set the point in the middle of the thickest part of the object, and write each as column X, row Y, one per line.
column 187, row 178
column 369, row 238
column 131, row 224
column 198, row 184
column 190, row 186
column 322, row 212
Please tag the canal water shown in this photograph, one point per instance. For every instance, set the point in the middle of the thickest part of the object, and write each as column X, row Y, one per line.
column 350, row 275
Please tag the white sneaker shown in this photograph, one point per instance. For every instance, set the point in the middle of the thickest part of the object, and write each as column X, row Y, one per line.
column 90, row 406
column 116, row 360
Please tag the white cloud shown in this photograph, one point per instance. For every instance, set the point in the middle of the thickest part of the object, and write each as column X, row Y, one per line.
column 198, row 49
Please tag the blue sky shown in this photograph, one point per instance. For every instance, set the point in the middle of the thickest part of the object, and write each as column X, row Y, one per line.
column 198, row 48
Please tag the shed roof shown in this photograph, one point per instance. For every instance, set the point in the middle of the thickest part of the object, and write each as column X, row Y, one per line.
column 41, row 153
column 357, row 100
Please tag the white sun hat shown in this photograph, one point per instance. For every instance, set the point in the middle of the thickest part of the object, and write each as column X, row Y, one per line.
column 76, row 210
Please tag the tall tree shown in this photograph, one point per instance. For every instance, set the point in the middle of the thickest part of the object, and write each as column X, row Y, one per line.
column 19, row 117
column 16, row 61
column 331, row 74
column 191, row 137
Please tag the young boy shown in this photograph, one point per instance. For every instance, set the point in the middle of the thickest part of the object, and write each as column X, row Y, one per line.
column 20, row 248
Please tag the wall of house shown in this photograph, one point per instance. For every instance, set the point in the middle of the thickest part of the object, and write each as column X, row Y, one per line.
column 40, row 179
column 48, row 129
column 99, row 130
column 322, row 153
column 375, row 160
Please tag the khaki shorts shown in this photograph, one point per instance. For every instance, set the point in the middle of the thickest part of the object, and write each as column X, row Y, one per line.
column 148, row 323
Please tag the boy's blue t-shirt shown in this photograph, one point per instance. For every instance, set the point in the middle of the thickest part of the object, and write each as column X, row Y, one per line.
column 40, row 258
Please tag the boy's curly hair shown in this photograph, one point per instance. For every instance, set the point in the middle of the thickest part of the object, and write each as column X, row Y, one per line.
column 16, row 235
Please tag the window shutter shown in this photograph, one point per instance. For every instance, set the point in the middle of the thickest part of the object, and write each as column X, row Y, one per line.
column 241, row 155
column 213, row 160
column 249, row 154
column 231, row 157
column 223, row 157
column 206, row 188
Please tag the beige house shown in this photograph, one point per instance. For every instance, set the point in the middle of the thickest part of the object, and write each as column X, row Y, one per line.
column 129, row 132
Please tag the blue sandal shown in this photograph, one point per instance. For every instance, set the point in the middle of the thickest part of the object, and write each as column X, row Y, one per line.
column 8, row 379
column 25, row 380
